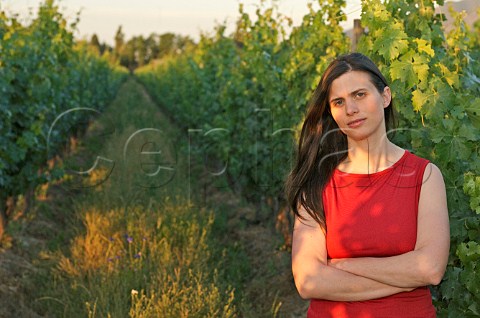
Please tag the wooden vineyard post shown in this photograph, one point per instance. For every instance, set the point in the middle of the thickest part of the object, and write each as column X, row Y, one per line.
column 358, row 30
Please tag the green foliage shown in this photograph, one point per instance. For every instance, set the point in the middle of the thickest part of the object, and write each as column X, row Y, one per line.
column 43, row 73
column 472, row 189
column 433, row 78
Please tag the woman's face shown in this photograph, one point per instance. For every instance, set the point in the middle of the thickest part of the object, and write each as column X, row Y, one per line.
column 357, row 107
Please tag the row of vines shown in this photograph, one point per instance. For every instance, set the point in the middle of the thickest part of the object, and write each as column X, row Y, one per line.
column 242, row 96
column 50, row 86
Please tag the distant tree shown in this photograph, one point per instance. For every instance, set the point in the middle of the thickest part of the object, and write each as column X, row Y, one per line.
column 152, row 47
column 141, row 57
column 139, row 51
column 167, row 44
column 184, row 43
column 119, row 42
column 128, row 55
column 94, row 42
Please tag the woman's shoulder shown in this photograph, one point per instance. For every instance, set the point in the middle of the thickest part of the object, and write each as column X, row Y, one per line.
column 412, row 158
column 423, row 168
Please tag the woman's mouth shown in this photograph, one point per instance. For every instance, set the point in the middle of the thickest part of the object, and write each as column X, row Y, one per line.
column 356, row 123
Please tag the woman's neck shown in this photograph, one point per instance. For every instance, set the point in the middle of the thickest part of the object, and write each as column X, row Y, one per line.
column 367, row 157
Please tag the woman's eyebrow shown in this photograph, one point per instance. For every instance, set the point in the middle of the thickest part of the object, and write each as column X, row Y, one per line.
column 357, row 90
column 334, row 99
column 352, row 93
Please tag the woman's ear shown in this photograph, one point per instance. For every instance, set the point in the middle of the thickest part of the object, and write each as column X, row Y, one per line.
column 387, row 96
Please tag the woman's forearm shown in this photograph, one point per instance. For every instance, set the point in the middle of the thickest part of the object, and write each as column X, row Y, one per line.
column 330, row 283
column 412, row 269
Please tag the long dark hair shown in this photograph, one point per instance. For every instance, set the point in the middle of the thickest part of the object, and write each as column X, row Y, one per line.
column 322, row 146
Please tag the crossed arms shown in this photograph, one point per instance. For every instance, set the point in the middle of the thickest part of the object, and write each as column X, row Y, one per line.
column 364, row 278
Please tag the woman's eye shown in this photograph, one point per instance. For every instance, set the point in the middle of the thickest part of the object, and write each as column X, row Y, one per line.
column 338, row 102
column 360, row 94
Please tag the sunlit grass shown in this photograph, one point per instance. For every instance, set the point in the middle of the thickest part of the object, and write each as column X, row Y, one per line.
column 164, row 256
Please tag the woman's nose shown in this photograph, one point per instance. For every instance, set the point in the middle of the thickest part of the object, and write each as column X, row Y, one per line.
column 351, row 107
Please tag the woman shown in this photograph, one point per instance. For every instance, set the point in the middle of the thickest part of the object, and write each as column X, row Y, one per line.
column 371, row 222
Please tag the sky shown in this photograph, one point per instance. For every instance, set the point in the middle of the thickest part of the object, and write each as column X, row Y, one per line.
column 143, row 17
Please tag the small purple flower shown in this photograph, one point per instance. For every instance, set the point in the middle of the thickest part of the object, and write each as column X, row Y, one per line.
column 110, row 259
column 138, row 255
column 112, row 239
column 128, row 238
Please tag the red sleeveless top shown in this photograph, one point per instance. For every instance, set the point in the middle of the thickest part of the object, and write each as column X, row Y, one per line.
column 374, row 215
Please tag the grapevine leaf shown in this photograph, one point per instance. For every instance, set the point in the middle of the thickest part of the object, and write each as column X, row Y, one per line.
column 473, row 307
column 424, row 46
column 380, row 13
column 411, row 68
column 469, row 133
column 403, row 71
column 458, row 112
column 421, row 70
column 450, row 77
column 444, row 94
column 443, row 152
column 471, row 187
column 473, row 113
column 468, row 252
column 449, row 124
column 419, row 99
column 437, row 135
column 391, row 42
column 461, row 148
